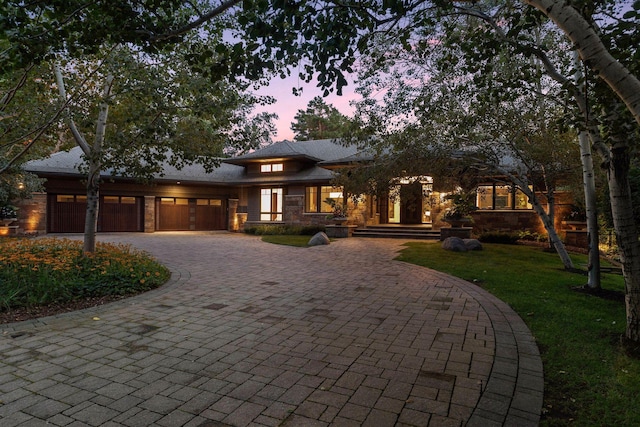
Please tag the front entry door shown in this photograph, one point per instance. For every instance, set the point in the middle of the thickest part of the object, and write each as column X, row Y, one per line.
column 411, row 203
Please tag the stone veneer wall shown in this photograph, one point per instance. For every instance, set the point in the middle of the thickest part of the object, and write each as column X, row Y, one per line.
column 32, row 214
column 490, row 220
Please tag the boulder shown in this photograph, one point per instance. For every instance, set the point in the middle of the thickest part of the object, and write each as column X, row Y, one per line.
column 454, row 244
column 319, row 238
column 473, row 244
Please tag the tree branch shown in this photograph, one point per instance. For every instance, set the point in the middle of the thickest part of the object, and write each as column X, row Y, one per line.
column 198, row 22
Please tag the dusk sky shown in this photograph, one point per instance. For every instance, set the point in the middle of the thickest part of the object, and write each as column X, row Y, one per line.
column 288, row 104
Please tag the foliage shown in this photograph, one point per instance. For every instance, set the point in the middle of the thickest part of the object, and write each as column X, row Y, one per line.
column 319, row 121
column 499, row 237
column 338, row 208
column 50, row 270
column 264, row 230
column 8, row 211
column 462, row 204
column 589, row 379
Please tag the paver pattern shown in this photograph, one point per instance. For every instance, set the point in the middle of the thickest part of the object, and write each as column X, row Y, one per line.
column 252, row 334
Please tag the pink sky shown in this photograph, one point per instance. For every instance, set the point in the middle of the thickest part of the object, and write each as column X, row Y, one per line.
column 288, row 104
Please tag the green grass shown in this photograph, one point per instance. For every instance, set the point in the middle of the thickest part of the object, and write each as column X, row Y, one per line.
column 45, row 271
column 589, row 379
column 287, row 239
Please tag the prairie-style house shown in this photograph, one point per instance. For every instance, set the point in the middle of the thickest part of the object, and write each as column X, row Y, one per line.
column 284, row 183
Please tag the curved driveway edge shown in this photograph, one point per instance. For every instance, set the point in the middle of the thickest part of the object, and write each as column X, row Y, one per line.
column 248, row 333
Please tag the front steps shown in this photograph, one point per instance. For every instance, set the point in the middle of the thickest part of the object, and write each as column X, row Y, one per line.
column 392, row 231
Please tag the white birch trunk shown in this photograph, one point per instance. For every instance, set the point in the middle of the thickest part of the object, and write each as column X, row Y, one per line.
column 95, row 168
column 589, row 183
column 588, row 180
column 592, row 51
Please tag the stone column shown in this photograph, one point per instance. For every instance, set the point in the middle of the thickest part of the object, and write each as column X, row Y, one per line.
column 149, row 214
column 293, row 209
column 232, row 210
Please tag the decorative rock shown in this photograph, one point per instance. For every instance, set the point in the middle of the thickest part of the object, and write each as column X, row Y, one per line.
column 473, row 244
column 319, row 238
column 454, row 244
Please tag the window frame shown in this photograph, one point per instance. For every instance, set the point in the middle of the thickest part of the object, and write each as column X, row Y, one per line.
column 271, row 167
column 319, row 204
column 512, row 195
column 271, row 215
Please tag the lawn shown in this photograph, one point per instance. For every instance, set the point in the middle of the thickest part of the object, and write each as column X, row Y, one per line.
column 287, row 239
column 589, row 378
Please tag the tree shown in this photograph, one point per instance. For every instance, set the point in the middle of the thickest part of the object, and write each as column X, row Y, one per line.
column 318, row 121
column 155, row 111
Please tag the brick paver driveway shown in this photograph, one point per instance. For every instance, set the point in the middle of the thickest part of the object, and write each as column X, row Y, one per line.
column 249, row 333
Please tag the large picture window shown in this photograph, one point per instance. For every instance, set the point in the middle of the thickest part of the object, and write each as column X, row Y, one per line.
column 501, row 197
column 271, row 204
column 316, row 198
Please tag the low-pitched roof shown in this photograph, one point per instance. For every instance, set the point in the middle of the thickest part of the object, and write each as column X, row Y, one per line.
column 68, row 163
column 313, row 151
column 324, row 152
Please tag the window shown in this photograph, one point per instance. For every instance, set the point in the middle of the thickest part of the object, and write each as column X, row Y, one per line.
column 271, row 167
column 208, row 202
column 316, row 198
column 271, row 204
column 70, row 198
column 501, row 197
column 173, row 201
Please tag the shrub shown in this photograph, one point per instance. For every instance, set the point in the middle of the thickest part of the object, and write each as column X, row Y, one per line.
column 498, row 237
column 532, row 237
column 50, row 270
column 274, row 230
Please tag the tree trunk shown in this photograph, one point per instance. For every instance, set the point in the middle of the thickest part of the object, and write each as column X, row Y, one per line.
column 592, row 51
column 626, row 234
column 95, row 167
column 554, row 239
column 588, row 180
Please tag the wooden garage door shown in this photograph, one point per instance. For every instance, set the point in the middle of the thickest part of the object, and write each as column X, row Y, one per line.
column 210, row 214
column 181, row 214
column 67, row 213
column 121, row 213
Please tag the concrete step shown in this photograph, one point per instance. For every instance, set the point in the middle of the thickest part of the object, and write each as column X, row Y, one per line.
column 398, row 232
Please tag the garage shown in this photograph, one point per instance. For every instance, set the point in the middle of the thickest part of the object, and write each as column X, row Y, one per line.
column 67, row 213
column 186, row 214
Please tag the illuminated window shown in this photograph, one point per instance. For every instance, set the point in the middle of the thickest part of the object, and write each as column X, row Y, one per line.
column 316, row 198
column 209, row 202
column 271, row 167
column 173, row 201
column 128, row 200
column 111, row 199
column 70, row 198
column 311, row 199
column 65, row 198
column 501, row 197
column 271, row 204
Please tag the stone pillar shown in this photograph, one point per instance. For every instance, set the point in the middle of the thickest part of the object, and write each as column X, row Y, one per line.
column 293, row 209
column 32, row 214
column 232, row 210
column 149, row 214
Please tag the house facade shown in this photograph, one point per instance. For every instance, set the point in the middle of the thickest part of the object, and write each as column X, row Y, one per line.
column 284, row 183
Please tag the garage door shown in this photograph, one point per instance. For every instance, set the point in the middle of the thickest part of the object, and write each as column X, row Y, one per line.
column 182, row 214
column 67, row 213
